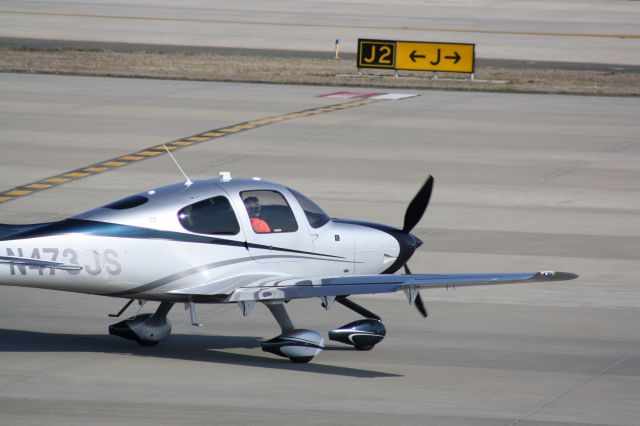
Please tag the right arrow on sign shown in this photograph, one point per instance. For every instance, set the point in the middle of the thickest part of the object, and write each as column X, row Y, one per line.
column 413, row 56
column 457, row 57
column 429, row 56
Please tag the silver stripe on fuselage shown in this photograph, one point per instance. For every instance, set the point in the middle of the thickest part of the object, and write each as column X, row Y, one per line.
column 192, row 271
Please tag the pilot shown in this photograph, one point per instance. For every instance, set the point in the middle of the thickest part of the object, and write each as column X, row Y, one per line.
column 254, row 208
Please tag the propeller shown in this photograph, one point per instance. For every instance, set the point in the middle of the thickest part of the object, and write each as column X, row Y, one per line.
column 420, row 306
column 418, row 206
column 412, row 216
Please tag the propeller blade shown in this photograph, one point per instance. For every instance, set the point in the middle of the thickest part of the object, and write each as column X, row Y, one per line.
column 420, row 306
column 417, row 206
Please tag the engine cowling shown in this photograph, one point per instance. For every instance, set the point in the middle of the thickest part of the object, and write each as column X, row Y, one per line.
column 362, row 334
column 144, row 329
column 298, row 345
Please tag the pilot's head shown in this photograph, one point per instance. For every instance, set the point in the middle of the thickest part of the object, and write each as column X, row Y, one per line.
column 253, row 206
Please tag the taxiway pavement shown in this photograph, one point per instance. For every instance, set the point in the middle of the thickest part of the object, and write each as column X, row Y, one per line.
column 588, row 31
column 523, row 182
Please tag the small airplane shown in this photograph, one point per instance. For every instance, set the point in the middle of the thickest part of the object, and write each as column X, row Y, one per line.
column 231, row 240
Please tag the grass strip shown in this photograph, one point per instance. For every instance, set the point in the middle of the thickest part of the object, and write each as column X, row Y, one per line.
column 307, row 71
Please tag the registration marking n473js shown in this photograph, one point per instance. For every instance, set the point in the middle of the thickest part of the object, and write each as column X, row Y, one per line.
column 96, row 262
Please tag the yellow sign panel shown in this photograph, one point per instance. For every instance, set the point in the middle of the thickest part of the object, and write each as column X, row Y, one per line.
column 416, row 56
column 445, row 57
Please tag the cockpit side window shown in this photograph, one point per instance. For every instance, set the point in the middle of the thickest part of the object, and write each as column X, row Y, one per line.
column 210, row 216
column 269, row 212
column 315, row 215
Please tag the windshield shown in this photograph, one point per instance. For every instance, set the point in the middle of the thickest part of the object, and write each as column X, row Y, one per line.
column 315, row 215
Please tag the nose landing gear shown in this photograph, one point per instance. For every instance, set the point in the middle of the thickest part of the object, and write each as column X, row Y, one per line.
column 363, row 334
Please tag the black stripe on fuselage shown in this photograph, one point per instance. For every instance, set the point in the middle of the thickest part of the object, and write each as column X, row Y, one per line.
column 116, row 230
column 7, row 231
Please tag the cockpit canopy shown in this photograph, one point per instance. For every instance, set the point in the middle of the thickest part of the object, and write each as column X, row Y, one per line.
column 268, row 211
column 220, row 207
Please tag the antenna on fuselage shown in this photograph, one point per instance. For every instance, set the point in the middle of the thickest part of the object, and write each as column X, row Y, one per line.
column 188, row 182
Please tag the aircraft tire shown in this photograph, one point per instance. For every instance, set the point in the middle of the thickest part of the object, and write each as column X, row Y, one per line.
column 147, row 343
column 301, row 359
column 363, row 347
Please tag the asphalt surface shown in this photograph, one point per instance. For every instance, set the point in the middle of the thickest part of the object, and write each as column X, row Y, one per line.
column 567, row 31
column 523, row 182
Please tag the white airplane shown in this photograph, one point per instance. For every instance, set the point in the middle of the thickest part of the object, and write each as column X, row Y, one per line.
column 230, row 241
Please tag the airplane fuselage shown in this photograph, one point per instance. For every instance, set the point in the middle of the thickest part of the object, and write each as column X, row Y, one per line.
column 140, row 247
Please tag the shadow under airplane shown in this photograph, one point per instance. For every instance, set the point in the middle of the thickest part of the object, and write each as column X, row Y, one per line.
column 186, row 347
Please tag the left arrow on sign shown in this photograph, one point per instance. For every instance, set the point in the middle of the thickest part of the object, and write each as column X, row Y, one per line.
column 413, row 56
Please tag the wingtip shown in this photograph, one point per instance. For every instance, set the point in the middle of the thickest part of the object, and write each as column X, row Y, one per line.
column 556, row 276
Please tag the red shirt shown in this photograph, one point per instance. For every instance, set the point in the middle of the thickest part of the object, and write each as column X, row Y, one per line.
column 260, row 226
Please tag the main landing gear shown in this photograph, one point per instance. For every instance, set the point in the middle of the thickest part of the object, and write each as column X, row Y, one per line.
column 146, row 329
column 301, row 345
column 298, row 345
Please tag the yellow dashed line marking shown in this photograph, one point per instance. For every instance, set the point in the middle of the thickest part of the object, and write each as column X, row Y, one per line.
column 57, row 180
column 54, row 181
column 18, row 192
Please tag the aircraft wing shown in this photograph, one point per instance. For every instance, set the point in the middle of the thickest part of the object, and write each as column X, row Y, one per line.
column 305, row 287
column 37, row 263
